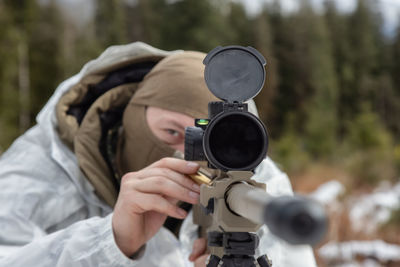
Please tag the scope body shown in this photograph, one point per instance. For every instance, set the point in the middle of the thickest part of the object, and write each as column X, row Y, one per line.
column 230, row 139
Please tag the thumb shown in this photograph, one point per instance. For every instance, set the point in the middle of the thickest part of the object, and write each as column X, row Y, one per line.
column 199, row 248
column 201, row 261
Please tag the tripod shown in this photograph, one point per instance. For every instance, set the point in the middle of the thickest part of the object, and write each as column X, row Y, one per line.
column 239, row 249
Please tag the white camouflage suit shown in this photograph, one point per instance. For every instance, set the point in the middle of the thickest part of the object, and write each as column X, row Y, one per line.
column 50, row 215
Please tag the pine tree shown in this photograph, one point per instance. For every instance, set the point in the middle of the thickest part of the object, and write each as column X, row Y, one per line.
column 148, row 20
column 240, row 26
column 45, row 54
column 321, row 125
column 9, row 104
column 391, row 86
column 110, row 23
column 342, row 56
column 20, row 19
column 372, row 82
column 395, row 72
column 363, row 34
column 263, row 42
column 196, row 25
column 292, row 49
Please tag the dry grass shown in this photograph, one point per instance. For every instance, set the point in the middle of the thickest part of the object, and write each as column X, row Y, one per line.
column 340, row 224
column 317, row 174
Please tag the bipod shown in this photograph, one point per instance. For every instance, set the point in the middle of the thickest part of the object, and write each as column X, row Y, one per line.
column 239, row 250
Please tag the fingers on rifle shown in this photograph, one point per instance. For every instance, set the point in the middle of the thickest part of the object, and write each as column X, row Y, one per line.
column 178, row 165
column 166, row 187
column 169, row 174
column 172, row 200
column 154, row 202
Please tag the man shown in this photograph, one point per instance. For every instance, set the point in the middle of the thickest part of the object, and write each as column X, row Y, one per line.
column 63, row 200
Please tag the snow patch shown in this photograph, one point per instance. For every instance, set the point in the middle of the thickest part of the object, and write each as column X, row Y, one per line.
column 328, row 192
column 350, row 250
column 370, row 210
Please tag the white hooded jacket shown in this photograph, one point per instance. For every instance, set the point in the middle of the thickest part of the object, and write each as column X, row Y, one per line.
column 50, row 215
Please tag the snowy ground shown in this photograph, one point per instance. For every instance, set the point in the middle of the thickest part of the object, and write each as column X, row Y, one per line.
column 371, row 251
column 366, row 213
column 369, row 211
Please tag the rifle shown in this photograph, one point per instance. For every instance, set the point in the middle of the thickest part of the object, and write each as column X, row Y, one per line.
column 234, row 142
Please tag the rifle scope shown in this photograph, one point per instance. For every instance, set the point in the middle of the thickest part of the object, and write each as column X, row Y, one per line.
column 231, row 138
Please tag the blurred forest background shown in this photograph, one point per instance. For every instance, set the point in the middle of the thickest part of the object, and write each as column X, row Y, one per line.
column 331, row 101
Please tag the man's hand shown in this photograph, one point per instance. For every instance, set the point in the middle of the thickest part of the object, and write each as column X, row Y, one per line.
column 199, row 255
column 147, row 197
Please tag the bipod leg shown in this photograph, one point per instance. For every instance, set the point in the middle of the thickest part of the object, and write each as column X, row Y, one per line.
column 238, row 261
column 213, row 261
column 263, row 261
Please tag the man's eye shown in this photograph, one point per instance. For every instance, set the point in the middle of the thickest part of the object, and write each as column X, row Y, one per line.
column 173, row 132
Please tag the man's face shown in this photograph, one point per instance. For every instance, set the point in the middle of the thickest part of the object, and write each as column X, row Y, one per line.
column 169, row 126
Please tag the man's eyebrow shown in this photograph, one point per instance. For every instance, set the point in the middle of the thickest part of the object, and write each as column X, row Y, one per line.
column 175, row 123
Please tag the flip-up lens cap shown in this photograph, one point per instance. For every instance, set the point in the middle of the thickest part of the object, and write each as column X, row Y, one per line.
column 234, row 73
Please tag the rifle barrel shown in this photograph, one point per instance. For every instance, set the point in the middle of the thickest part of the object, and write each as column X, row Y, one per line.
column 296, row 219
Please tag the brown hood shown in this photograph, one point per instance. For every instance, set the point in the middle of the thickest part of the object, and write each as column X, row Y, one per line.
column 175, row 83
